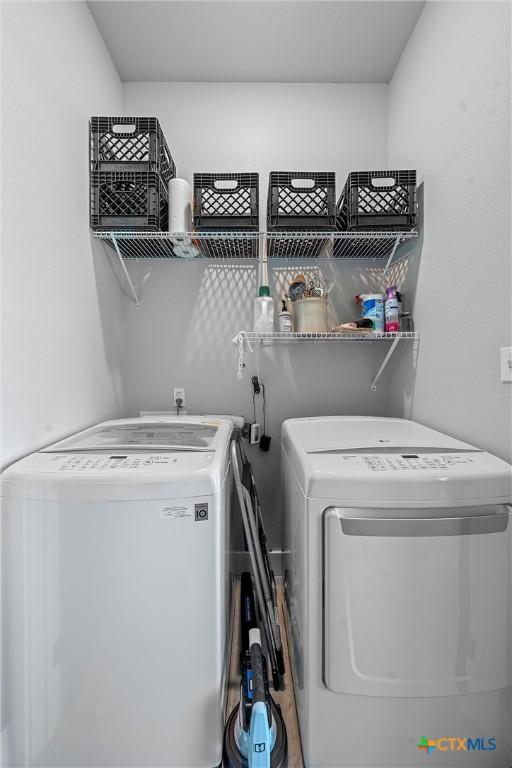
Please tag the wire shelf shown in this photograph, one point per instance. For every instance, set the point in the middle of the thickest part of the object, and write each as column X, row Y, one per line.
column 240, row 245
column 286, row 338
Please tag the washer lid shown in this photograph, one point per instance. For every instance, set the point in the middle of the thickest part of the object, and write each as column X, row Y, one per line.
column 136, row 434
column 138, row 458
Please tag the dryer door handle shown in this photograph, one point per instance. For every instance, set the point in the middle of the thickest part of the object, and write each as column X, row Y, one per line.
column 424, row 526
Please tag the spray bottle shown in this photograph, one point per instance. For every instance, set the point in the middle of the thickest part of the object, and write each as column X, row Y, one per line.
column 391, row 311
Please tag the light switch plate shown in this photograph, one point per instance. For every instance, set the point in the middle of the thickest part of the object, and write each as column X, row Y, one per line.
column 506, row 363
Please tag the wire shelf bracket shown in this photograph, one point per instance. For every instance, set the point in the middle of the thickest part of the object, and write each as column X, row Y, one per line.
column 391, row 255
column 384, row 364
column 125, row 270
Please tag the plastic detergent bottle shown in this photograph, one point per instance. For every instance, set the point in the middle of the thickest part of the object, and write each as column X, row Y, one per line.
column 263, row 311
column 392, row 311
column 372, row 307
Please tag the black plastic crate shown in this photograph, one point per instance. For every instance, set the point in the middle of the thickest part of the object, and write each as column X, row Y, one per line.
column 225, row 201
column 130, row 143
column 128, row 200
column 301, row 200
column 378, row 200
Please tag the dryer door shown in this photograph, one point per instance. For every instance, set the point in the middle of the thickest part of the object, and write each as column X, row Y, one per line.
column 417, row 605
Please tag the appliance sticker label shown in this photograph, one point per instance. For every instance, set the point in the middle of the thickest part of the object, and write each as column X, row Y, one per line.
column 175, row 510
column 201, row 512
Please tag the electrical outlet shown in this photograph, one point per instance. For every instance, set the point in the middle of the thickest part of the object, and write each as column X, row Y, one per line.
column 179, row 392
column 506, row 363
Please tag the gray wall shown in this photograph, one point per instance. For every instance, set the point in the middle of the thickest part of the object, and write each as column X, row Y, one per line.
column 61, row 306
column 449, row 116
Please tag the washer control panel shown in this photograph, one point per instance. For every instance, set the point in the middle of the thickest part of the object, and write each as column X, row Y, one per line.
column 408, row 461
column 71, row 462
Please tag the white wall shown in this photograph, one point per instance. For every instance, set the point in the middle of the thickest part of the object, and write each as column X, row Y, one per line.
column 449, row 116
column 61, row 305
column 182, row 334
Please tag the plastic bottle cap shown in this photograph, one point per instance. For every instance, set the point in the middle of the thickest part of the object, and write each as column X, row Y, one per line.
column 264, row 290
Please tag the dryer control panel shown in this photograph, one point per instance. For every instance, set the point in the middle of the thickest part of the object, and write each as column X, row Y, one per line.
column 409, row 461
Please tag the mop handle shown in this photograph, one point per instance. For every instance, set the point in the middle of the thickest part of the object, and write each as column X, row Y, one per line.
column 245, row 503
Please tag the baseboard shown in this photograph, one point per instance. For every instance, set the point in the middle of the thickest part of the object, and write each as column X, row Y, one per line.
column 241, row 562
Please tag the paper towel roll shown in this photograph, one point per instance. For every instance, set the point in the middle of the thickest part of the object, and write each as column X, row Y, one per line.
column 180, row 217
column 180, row 206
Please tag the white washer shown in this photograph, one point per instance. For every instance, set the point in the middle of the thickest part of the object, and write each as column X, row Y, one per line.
column 117, row 586
column 398, row 580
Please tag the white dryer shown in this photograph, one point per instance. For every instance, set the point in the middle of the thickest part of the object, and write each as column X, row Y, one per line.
column 398, row 563
column 117, row 579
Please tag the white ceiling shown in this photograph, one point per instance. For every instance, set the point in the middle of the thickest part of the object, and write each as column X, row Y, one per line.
column 256, row 40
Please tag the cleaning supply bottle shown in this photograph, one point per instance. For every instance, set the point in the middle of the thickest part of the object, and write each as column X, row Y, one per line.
column 263, row 319
column 285, row 319
column 372, row 307
column 391, row 311
column 263, row 311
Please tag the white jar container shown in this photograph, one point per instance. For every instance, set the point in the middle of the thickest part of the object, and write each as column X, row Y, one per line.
column 310, row 315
